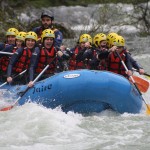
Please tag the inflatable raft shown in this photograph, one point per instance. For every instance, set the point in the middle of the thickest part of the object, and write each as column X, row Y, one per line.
column 84, row 91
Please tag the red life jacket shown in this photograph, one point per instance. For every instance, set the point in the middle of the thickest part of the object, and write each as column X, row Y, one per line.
column 47, row 57
column 103, row 65
column 73, row 63
column 4, row 61
column 115, row 65
column 23, row 62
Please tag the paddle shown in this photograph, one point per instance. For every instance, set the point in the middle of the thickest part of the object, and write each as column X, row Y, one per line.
column 6, row 53
column 142, row 84
column 148, row 77
column 146, row 74
column 23, row 93
column 148, row 106
column 14, row 78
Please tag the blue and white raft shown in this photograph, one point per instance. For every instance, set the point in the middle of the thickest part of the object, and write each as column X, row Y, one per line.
column 85, row 91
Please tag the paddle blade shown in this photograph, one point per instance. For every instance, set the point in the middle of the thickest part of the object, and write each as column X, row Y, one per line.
column 148, row 109
column 6, row 108
column 142, row 84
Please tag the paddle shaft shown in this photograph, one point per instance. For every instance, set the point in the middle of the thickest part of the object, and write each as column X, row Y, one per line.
column 147, row 74
column 33, row 83
column 143, row 74
column 10, row 107
column 14, row 77
column 132, row 79
column 6, row 53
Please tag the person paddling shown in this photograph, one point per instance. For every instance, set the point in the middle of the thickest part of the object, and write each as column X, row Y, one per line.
column 100, row 45
column 20, row 60
column 46, row 55
column 113, row 62
column 4, row 58
column 77, row 57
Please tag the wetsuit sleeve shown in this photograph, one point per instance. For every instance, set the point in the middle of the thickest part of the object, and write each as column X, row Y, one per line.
column 66, row 54
column 33, row 63
column 71, row 52
column 7, row 49
column 87, row 54
column 79, row 56
column 2, row 46
column 128, row 62
column 36, row 29
column 58, row 38
column 13, row 60
column 103, row 54
column 134, row 63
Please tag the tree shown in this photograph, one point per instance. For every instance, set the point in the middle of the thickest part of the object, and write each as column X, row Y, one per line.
column 142, row 16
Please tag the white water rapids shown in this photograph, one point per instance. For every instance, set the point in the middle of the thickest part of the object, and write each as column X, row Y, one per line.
column 32, row 126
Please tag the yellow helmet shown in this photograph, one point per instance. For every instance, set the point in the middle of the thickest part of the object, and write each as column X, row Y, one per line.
column 98, row 38
column 31, row 35
column 110, row 37
column 47, row 33
column 21, row 36
column 119, row 41
column 12, row 31
column 85, row 38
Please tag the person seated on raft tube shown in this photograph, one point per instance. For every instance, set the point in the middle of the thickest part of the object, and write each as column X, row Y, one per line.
column 44, row 56
column 20, row 60
column 10, row 38
column 47, row 19
column 113, row 61
column 4, row 59
column 110, row 38
column 76, row 54
column 99, row 44
column 19, row 42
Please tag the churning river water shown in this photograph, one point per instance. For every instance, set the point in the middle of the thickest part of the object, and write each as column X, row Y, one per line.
column 32, row 126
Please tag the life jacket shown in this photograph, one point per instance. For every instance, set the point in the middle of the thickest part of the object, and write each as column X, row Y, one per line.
column 103, row 64
column 24, row 61
column 115, row 65
column 75, row 64
column 47, row 57
column 4, row 61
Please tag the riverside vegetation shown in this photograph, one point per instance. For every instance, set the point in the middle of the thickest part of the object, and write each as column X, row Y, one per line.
column 9, row 10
